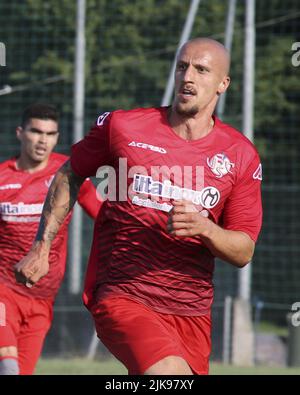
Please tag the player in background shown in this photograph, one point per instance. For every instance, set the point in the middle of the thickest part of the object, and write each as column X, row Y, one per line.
column 26, row 312
column 149, row 280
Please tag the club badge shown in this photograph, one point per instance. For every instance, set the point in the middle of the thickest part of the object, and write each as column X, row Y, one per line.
column 220, row 165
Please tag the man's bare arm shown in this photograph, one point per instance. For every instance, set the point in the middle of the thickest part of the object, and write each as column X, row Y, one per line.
column 59, row 202
column 235, row 247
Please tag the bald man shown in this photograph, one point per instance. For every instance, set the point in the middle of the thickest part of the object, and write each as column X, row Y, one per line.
column 184, row 188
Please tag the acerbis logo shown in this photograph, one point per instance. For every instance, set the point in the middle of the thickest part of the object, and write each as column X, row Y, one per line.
column 48, row 182
column 10, row 186
column 102, row 118
column 147, row 146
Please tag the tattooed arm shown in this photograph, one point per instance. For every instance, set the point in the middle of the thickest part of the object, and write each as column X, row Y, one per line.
column 59, row 202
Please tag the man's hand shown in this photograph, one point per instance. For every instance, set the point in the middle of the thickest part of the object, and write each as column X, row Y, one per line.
column 59, row 202
column 34, row 265
column 187, row 219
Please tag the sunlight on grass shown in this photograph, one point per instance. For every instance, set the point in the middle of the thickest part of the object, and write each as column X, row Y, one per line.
column 110, row 366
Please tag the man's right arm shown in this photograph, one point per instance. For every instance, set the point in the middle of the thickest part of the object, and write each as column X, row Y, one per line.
column 60, row 200
column 86, row 157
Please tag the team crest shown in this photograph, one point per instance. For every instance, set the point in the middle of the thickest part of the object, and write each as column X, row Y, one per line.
column 220, row 165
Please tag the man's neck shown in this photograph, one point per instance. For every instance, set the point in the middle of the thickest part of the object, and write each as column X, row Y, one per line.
column 191, row 128
column 30, row 166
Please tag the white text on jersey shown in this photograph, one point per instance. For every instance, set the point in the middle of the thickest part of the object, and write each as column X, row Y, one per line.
column 207, row 197
column 20, row 208
column 148, row 146
column 10, row 186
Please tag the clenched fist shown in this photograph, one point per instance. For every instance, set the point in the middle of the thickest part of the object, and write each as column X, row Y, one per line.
column 187, row 219
column 34, row 265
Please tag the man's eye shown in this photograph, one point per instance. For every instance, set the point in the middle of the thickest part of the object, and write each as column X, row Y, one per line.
column 181, row 67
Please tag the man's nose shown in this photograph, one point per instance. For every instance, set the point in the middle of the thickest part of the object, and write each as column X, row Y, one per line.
column 188, row 74
column 43, row 137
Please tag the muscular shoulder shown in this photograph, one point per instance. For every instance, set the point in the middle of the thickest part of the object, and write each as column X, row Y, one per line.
column 239, row 149
column 56, row 160
column 7, row 169
column 237, row 141
column 6, row 164
column 136, row 115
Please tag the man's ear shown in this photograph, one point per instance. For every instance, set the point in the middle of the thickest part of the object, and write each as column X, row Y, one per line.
column 57, row 139
column 19, row 130
column 224, row 85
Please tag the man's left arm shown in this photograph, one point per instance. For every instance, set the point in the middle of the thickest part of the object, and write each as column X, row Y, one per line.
column 234, row 241
column 232, row 246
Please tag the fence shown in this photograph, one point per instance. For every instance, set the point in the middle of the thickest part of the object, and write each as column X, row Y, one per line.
column 130, row 47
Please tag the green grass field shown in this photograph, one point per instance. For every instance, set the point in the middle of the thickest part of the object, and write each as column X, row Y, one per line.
column 78, row 366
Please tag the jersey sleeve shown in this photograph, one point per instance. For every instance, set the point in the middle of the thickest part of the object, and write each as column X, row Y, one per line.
column 243, row 208
column 89, row 199
column 94, row 150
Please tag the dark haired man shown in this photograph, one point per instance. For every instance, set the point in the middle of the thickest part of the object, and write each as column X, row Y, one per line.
column 26, row 312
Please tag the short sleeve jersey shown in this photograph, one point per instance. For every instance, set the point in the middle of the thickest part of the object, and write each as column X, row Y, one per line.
column 149, row 166
column 22, row 196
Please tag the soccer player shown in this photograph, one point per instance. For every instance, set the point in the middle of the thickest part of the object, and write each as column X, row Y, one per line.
column 25, row 312
column 193, row 187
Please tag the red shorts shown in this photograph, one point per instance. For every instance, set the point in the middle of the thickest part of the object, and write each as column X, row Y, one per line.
column 139, row 337
column 24, row 323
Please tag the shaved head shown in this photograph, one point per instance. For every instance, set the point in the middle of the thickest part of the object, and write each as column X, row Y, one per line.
column 217, row 50
column 201, row 76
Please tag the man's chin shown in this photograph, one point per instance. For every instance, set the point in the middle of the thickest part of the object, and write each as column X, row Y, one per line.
column 38, row 158
column 186, row 111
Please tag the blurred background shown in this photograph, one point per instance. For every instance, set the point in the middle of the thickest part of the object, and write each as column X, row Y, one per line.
column 128, row 55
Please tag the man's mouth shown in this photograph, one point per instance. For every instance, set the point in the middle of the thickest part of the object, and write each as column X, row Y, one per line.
column 187, row 93
column 40, row 150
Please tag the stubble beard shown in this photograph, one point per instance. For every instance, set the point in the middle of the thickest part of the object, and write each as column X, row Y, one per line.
column 37, row 159
column 186, row 112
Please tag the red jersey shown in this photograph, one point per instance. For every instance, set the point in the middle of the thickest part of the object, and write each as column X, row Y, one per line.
column 22, row 196
column 132, row 252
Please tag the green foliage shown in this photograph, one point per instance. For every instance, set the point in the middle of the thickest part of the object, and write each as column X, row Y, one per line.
column 276, row 82
column 127, row 63
column 130, row 46
column 129, row 50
